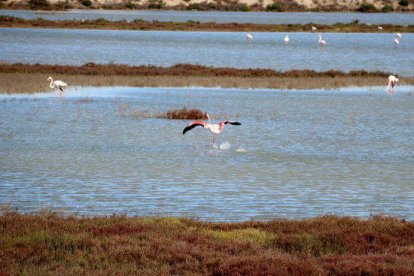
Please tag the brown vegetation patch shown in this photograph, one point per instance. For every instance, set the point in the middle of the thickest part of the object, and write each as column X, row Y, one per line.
column 183, row 70
column 117, row 229
column 186, row 114
column 355, row 26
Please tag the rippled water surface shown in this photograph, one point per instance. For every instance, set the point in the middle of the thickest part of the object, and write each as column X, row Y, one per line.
column 222, row 17
column 296, row 154
column 221, row 49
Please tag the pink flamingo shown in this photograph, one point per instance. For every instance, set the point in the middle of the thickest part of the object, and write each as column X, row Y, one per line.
column 57, row 84
column 321, row 41
column 213, row 128
column 391, row 82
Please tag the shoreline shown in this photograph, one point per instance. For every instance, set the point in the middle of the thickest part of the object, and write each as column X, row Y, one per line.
column 142, row 25
column 372, row 6
column 26, row 78
column 49, row 243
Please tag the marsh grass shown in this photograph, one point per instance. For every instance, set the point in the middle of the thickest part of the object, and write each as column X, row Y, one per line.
column 49, row 243
column 24, row 78
column 186, row 114
column 8, row 21
column 175, row 114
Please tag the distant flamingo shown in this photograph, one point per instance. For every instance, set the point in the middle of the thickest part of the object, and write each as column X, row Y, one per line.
column 57, row 84
column 286, row 39
column 396, row 40
column 391, row 83
column 249, row 37
column 313, row 29
column 321, row 41
column 380, row 28
column 213, row 128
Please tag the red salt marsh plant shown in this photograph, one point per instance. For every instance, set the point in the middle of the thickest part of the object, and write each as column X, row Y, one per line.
column 53, row 244
column 92, row 69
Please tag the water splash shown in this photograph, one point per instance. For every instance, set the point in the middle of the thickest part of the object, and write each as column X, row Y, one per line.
column 241, row 150
column 225, row 146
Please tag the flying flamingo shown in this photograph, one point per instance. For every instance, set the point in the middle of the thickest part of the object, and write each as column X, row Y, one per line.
column 249, row 37
column 286, row 39
column 391, row 82
column 321, row 41
column 213, row 128
column 57, row 84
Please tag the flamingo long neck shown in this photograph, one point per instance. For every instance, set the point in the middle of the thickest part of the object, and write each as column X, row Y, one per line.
column 51, row 83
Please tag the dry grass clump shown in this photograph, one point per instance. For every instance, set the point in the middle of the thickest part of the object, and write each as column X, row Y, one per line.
column 52, row 244
column 175, row 114
column 355, row 26
column 186, row 114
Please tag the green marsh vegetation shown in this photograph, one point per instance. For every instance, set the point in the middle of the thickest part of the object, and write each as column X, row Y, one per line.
column 48, row 243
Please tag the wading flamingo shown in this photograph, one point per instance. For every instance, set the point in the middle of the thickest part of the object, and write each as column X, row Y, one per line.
column 286, row 39
column 249, row 37
column 396, row 40
column 57, row 84
column 391, row 82
column 380, row 28
column 213, row 128
column 321, row 41
column 313, row 29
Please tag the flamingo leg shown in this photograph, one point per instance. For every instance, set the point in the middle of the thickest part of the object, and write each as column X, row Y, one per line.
column 214, row 139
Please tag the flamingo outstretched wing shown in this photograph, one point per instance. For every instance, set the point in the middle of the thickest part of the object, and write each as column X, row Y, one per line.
column 193, row 125
column 232, row 123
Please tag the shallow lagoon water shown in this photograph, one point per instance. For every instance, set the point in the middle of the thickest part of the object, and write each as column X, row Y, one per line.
column 297, row 154
column 220, row 17
column 220, row 49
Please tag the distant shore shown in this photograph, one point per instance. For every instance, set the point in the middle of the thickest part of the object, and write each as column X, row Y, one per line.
column 371, row 6
column 48, row 243
column 25, row 78
column 102, row 24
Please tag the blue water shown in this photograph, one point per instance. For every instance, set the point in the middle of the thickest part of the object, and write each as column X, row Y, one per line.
column 220, row 17
column 220, row 49
column 297, row 154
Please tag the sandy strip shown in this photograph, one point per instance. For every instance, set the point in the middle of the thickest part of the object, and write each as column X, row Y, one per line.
column 36, row 82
